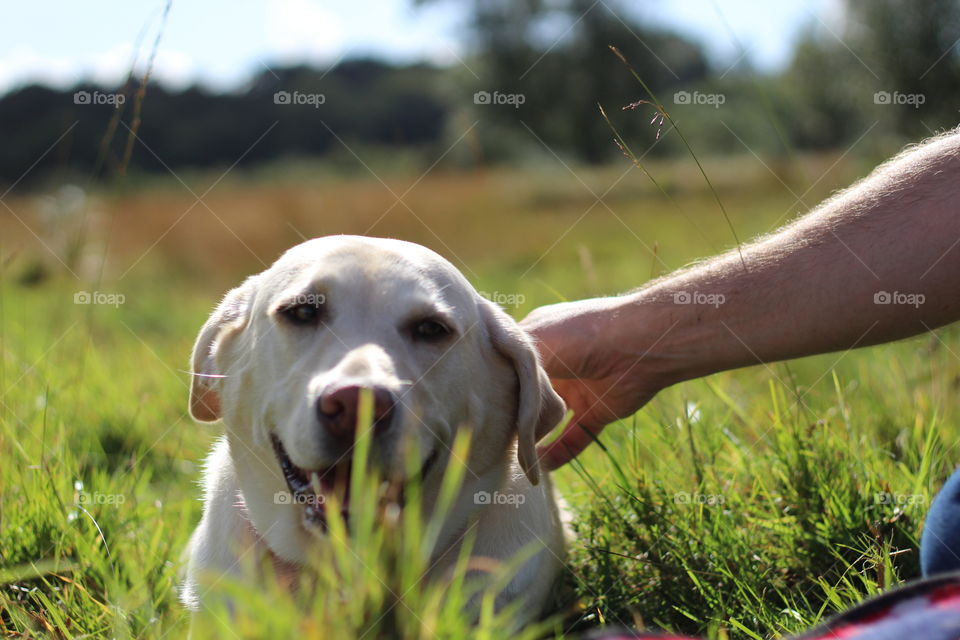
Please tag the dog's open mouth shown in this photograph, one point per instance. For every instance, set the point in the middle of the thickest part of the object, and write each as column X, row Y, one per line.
column 312, row 488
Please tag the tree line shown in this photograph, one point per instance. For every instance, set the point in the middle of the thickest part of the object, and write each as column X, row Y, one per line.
column 533, row 84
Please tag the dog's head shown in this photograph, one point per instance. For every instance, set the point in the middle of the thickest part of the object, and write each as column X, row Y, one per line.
column 284, row 358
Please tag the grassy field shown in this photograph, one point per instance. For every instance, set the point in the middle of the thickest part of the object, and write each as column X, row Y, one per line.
column 745, row 505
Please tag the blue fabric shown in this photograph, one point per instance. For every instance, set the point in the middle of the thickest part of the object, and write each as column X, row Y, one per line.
column 940, row 541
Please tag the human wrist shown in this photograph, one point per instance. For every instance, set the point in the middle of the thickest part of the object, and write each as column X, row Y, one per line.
column 671, row 339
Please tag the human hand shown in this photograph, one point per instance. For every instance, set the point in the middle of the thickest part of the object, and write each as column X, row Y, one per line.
column 594, row 353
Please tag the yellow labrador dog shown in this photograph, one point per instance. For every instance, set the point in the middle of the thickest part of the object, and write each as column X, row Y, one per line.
column 283, row 359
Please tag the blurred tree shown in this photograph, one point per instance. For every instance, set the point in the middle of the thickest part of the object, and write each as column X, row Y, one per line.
column 292, row 111
column 893, row 69
column 827, row 96
column 556, row 56
column 912, row 47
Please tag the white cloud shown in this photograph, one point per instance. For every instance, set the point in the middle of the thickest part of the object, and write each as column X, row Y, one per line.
column 109, row 67
column 174, row 69
column 22, row 65
column 303, row 31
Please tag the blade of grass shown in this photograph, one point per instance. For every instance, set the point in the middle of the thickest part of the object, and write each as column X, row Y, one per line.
column 663, row 112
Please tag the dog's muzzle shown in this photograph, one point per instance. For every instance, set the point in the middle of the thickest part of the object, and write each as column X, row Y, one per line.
column 311, row 489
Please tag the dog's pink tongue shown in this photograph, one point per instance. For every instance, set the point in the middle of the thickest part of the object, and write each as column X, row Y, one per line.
column 336, row 481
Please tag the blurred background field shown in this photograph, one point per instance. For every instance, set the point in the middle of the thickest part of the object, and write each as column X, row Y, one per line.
column 749, row 504
column 550, row 232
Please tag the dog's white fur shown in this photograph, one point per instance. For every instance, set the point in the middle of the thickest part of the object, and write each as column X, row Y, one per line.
column 263, row 375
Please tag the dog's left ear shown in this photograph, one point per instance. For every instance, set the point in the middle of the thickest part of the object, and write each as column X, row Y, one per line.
column 539, row 409
column 228, row 318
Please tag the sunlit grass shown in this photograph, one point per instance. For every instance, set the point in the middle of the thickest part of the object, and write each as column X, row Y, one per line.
column 747, row 502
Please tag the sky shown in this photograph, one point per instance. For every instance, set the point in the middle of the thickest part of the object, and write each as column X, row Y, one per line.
column 221, row 44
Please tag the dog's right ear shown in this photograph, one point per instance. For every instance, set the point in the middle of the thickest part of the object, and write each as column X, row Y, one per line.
column 230, row 316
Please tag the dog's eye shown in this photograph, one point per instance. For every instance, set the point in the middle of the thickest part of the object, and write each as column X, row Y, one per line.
column 302, row 314
column 430, row 330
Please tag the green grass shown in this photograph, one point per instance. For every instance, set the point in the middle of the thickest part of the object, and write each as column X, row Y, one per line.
column 742, row 506
column 758, row 516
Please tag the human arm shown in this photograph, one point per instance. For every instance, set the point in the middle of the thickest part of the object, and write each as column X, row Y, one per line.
column 813, row 287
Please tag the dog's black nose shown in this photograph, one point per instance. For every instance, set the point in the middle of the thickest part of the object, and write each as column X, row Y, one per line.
column 338, row 407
